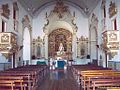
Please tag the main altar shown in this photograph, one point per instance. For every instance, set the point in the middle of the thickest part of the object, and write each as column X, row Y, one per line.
column 60, row 28
column 60, row 58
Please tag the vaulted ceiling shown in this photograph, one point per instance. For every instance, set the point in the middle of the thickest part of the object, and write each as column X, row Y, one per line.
column 33, row 6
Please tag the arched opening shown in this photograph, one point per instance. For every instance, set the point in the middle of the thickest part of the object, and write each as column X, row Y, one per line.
column 26, row 46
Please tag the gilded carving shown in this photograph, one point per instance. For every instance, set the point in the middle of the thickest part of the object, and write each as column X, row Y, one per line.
column 60, row 8
column 4, row 47
column 112, row 9
column 15, row 6
column 112, row 37
column 103, row 3
column 111, row 40
column 82, row 46
column 8, row 43
column 26, row 21
column 5, row 10
column 36, row 48
column 5, row 38
column 94, row 20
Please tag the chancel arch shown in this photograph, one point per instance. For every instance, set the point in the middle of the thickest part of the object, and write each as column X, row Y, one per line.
column 61, row 23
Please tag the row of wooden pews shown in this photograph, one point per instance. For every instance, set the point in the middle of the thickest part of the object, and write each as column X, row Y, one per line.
column 92, row 77
column 23, row 78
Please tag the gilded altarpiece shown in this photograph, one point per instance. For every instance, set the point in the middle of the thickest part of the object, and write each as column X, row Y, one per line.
column 59, row 36
column 82, row 47
column 37, row 48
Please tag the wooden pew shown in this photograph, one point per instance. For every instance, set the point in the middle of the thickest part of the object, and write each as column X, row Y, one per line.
column 13, row 82
column 87, row 78
column 7, row 85
column 105, row 83
column 94, row 76
column 30, row 74
column 76, row 69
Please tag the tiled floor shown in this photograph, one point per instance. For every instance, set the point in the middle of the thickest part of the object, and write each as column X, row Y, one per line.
column 59, row 80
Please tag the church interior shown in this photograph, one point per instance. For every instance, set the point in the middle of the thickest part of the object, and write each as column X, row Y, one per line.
column 59, row 45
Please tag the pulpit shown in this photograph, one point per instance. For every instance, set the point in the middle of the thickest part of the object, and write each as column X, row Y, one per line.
column 8, row 43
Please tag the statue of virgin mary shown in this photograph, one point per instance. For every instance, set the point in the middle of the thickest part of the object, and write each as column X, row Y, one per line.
column 61, row 48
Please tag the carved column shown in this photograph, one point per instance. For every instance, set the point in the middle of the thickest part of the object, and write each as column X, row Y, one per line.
column 74, row 46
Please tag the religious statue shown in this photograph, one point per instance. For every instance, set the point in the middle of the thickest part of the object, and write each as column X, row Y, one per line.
column 60, row 49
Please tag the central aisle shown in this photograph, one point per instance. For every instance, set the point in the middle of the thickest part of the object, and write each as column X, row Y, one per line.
column 59, row 80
